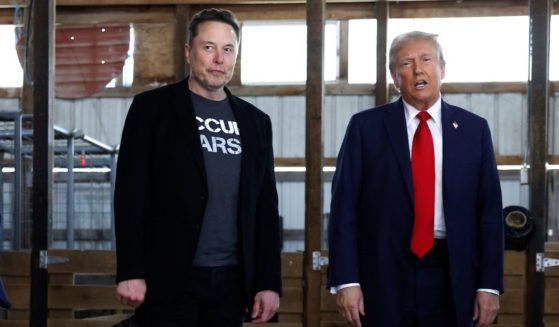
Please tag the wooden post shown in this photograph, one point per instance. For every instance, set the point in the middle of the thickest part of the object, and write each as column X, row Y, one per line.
column 43, row 98
column 381, row 85
column 538, row 108
column 316, row 12
column 182, row 18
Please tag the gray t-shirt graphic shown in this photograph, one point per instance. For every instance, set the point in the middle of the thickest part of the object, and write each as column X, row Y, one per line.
column 221, row 144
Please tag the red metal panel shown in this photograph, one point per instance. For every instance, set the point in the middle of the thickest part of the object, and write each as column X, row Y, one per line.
column 87, row 57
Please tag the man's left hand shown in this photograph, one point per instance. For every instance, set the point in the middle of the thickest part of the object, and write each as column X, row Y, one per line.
column 485, row 308
column 266, row 303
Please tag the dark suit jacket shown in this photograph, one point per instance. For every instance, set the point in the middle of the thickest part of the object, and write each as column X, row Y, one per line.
column 161, row 194
column 371, row 218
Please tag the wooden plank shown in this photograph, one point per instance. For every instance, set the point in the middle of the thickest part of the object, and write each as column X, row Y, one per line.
column 61, row 279
column 292, row 264
column 333, row 324
column 15, row 263
column 290, row 317
column 552, row 247
column 14, row 323
column 327, row 301
column 291, row 301
column 86, row 261
column 292, row 282
column 332, row 316
column 16, row 314
column 80, row 323
column 515, row 263
column 61, row 314
column 281, row 324
column 19, row 295
column 114, row 15
column 551, row 305
column 509, row 319
column 154, row 56
column 315, row 91
column 514, row 282
column 513, row 301
column 85, row 297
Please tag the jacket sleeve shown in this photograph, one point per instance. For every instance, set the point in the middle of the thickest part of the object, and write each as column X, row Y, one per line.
column 267, row 238
column 132, row 190
column 342, row 225
column 490, row 219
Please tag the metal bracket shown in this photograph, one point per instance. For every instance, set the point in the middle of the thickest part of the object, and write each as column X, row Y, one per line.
column 543, row 262
column 318, row 261
column 46, row 260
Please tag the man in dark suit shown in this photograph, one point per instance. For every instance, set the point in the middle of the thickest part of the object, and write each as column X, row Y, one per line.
column 416, row 230
column 196, row 205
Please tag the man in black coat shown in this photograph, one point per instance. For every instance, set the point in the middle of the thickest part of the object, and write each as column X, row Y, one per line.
column 196, row 205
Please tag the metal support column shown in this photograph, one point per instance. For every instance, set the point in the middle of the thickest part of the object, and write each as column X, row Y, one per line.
column 538, row 108
column 70, row 199
column 42, row 29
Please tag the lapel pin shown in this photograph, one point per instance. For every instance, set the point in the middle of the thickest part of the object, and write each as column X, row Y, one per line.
column 455, row 124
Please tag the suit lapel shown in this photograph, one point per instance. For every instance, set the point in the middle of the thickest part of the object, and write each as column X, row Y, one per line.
column 183, row 107
column 395, row 124
column 450, row 124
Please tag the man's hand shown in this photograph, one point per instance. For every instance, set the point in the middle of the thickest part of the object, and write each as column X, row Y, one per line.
column 266, row 303
column 485, row 308
column 350, row 304
column 131, row 292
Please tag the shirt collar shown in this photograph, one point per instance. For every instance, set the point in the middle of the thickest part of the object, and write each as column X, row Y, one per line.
column 434, row 111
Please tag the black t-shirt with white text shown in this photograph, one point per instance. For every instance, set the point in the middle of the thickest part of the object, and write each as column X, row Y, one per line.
column 221, row 145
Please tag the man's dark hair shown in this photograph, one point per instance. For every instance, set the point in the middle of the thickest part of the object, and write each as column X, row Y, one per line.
column 216, row 15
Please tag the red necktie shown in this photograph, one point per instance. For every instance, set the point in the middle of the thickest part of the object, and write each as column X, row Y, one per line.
column 423, row 172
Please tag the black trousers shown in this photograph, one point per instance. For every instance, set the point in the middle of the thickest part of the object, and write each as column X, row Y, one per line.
column 429, row 300
column 213, row 297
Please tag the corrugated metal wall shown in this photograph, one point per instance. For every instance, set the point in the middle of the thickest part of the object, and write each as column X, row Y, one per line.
column 103, row 118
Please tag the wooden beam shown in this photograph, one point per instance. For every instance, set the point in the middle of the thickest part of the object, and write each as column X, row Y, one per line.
column 182, row 19
column 12, row 3
column 118, row 12
column 316, row 20
column 458, row 9
column 381, row 86
column 341, row 88
column 114, row 15
column 538, row 109
column 343, row 61
column 43, row 18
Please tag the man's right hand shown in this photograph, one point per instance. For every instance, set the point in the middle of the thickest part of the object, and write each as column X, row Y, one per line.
column 350, row 304
column 131, row 292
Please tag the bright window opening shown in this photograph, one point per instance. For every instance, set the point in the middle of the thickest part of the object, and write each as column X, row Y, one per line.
column 12, row 73
column 276, row 52
column 362, row 51
column 476, row 49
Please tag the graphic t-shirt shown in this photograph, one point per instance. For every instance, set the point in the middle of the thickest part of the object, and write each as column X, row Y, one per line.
column 221, row 144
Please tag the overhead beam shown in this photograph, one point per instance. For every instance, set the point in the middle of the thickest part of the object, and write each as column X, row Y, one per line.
column 80, row 3
column 117, row 12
